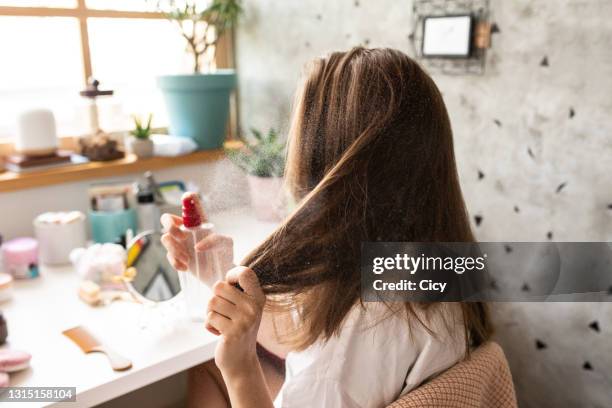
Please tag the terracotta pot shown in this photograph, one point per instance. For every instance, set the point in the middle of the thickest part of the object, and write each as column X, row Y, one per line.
column 267, row 198
column 142, row 148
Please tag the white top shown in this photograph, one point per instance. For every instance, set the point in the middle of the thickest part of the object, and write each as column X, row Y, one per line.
column 377, row 357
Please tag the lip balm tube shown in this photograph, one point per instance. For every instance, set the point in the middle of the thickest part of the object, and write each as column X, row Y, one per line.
column 204, row 267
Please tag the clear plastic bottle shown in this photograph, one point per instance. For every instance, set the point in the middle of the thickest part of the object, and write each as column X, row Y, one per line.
column 204, row 267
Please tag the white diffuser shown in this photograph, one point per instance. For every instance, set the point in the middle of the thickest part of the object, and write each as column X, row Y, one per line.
column 36, row 133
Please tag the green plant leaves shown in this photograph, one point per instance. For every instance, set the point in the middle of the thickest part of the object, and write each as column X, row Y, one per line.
column 222, row 14
column 216, row 17
column 261, row 156
column 140, row 131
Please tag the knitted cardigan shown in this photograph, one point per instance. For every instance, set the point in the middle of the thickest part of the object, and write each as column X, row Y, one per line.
column 481, row 381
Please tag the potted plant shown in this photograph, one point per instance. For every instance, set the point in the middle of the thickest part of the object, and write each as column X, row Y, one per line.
column 138, row 141
column 262, row 157
column 198, row 103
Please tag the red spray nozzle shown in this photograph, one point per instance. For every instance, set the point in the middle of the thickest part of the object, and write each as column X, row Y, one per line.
column 193, row 213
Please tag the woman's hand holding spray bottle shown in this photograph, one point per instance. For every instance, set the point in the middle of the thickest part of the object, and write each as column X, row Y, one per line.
column 190, row 237
column 202, row 256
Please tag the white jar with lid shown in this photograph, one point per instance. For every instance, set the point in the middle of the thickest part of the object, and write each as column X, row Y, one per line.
column 58, row 233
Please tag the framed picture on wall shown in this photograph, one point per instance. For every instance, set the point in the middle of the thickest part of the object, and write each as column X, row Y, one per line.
column 447, row 36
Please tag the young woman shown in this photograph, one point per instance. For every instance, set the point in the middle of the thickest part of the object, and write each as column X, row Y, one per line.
column 370, row 159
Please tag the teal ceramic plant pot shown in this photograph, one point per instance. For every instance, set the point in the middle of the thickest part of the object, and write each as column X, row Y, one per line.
column 198, row 105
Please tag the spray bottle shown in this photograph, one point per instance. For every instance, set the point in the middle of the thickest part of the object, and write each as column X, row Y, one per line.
column 204, row 267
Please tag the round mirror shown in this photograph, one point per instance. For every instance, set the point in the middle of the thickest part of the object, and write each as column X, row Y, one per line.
column 154, row 280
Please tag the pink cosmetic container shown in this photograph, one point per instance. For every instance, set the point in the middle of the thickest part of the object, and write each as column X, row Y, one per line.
column 20, row 258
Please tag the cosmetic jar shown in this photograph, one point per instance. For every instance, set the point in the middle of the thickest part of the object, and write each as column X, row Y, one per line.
column 20, row 257
column 58, row 233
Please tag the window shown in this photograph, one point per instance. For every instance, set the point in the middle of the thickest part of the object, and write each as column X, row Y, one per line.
column 56, row 45
column 40, row 70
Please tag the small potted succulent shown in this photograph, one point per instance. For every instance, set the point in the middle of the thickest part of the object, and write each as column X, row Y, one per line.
column 262, row 157
column 138, row 142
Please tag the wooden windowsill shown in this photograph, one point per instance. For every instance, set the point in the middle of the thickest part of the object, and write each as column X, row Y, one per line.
column 10, row 181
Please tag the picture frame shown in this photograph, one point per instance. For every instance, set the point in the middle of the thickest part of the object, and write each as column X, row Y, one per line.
column 447, row 36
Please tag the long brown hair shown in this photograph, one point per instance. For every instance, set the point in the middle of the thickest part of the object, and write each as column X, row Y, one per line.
column 370, row 159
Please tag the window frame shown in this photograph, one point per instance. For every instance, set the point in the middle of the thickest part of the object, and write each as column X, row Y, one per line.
column 223, row 59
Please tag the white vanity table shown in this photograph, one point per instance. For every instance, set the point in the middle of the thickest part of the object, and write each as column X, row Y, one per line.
column 42, row 308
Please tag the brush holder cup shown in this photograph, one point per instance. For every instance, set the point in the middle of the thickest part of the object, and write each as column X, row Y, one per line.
column 111, row 226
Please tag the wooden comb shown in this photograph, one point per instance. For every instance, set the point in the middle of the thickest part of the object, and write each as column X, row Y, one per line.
column 88, row 343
